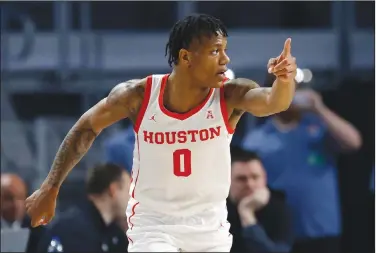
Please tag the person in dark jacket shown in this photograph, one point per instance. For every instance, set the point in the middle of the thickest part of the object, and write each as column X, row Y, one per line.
column 93, row 226
column 260, row 219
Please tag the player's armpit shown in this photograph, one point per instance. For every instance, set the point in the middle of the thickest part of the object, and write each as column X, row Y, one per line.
column 247, row 95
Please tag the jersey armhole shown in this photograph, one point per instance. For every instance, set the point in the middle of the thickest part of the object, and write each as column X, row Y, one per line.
column 224, row 111
column 144, row 104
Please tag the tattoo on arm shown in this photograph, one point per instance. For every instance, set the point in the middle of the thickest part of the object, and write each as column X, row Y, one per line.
column 121, row 102
column 74, row 147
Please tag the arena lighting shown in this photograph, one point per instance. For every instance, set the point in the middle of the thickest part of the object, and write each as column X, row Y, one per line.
column 302, row 75
column 299, row 75
column 307, row 75
column 230, row 74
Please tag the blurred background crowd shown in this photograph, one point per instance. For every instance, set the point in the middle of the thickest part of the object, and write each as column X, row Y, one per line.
column 302, row 180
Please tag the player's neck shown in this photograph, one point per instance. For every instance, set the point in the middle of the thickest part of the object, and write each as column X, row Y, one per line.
column 181, row 94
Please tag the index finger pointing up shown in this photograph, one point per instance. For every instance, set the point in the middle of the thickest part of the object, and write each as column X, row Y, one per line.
column 287, row 48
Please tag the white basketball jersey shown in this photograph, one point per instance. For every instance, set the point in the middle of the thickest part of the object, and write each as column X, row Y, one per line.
column 181, row 162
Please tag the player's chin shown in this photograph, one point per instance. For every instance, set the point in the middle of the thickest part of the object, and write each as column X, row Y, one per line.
column 218, row 82
column 217, row 85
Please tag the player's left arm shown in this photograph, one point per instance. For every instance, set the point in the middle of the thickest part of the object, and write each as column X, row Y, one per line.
column 244, row 94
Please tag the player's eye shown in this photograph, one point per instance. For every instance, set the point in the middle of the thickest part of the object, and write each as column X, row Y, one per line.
column 215, row 52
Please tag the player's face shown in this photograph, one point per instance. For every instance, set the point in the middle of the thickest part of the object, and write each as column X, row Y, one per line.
column 208, row 60
column 246, row 178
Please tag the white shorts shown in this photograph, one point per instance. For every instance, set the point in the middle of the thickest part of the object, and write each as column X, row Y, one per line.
column 156, row 232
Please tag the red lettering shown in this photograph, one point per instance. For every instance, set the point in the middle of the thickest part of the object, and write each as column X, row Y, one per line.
column 186, row 170
column 204, row 134
column 192, row 133
column 173, row 140
column 182, row 137
column 214, row 132
column 148, row 137
column 159, row 138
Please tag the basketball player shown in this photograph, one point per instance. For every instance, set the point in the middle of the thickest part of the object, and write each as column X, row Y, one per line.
column 183, row 123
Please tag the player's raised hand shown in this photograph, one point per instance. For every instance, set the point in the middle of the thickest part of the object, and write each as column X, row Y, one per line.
column 284, row 66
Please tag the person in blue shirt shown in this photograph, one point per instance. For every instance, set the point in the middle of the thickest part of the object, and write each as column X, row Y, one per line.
column 118, row 149
column 298, row 148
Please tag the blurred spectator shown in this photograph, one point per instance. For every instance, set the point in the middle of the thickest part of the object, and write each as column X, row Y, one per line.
column 93, row 227
column 259, row 217
column 13, row 216
column 298, row 148
column 118, row 149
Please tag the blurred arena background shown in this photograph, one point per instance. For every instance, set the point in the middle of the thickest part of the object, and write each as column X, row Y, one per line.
column 60, row 58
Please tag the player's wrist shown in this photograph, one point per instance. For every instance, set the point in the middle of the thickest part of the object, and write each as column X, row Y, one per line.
column 47, row 186
column 284, row 81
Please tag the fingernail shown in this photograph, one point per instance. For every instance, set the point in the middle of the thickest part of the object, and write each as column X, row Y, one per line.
column 270, row 70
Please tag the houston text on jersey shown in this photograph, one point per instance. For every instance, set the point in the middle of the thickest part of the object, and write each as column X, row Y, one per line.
column 181, row 136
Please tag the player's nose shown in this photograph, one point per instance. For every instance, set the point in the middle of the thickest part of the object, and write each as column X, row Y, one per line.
column 224, row 59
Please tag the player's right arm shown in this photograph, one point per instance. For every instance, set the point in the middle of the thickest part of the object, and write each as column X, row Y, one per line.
column 123, row 101
column 119, row 104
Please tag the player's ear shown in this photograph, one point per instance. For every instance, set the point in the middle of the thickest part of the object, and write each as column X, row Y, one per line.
column 184, row 57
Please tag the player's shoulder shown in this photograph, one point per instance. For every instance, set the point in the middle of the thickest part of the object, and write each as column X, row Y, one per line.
column 130, row 90
column 130, row 86
column 240, row 83
column 158, row 76
column 135, row 86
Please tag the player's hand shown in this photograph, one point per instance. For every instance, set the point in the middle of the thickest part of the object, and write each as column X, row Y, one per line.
column 41, row 205
column 255, row 201
column 284, row 66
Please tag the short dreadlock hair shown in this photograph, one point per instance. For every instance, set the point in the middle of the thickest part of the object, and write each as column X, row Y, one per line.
column 189, row 28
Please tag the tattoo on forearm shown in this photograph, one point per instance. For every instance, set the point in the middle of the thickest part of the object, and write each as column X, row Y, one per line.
column 73, row 148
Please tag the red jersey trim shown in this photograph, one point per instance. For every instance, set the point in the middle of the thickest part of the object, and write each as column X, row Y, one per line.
column 135, row 184
column 179, row 116
column 144, row 104
column 130, row 224
column 224, row 111
column 139, row 161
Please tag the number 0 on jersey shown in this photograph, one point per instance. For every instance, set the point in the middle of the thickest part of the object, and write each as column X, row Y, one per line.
column 182, row 162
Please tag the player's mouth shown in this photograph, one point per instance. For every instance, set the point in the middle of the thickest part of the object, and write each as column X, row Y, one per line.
column 222, row 73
